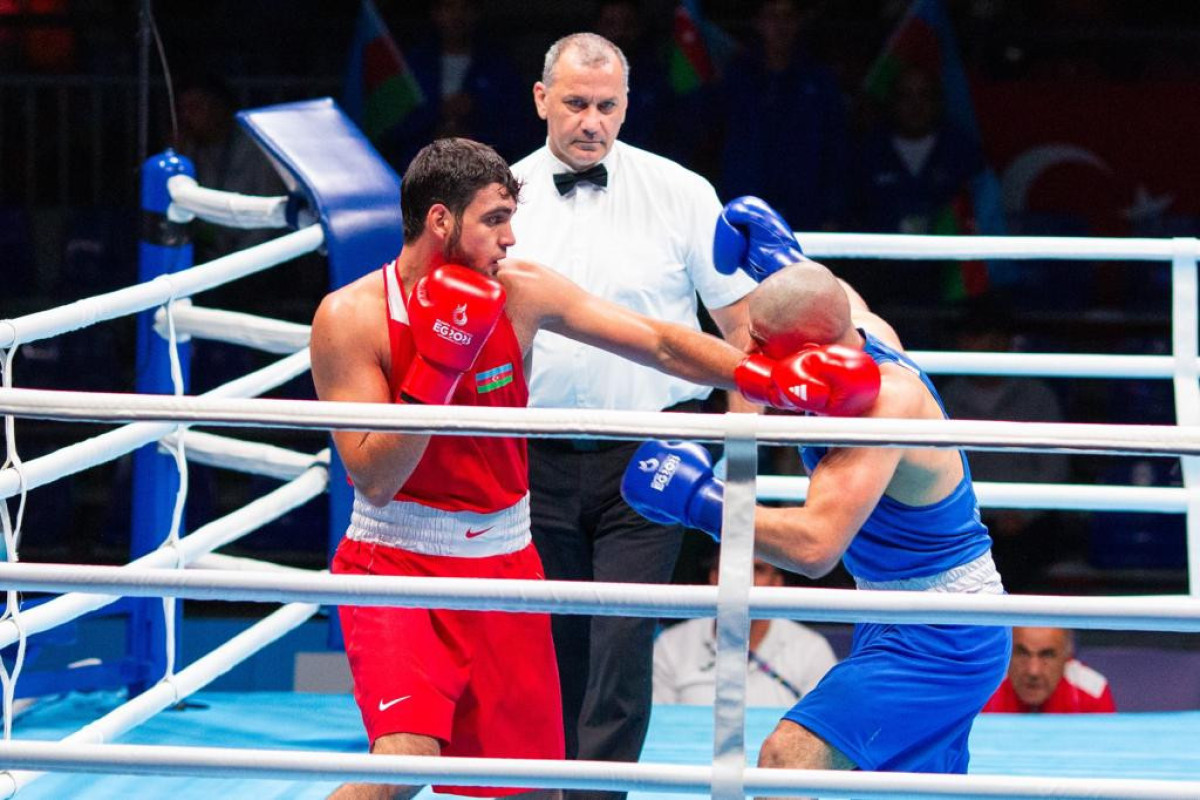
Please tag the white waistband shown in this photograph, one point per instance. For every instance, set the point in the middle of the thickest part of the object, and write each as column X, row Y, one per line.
column 974, row 577
column 435, row 532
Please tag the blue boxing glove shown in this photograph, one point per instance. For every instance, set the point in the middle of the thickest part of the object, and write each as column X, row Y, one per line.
column 672, row 483
column 751, row 236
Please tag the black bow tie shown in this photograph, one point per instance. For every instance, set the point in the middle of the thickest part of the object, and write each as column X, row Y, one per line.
column 565, row 181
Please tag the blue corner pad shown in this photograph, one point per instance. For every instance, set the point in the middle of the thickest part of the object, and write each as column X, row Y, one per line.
column 320, row 153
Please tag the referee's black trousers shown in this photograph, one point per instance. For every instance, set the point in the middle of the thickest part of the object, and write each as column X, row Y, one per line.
column 585, row 531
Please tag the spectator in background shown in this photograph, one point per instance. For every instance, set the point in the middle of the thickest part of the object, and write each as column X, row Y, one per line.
column 785, row 124
column 224, row 156
column 912, row 174
column 786, row 658
column 915, row 163
column 1024, row 542
column 472, row 89
column 623, row 23
column 1044, row 677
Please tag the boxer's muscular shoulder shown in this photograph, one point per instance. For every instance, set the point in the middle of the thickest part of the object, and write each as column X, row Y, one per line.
column 524, row 284
column 902, row 395
column 536, row 295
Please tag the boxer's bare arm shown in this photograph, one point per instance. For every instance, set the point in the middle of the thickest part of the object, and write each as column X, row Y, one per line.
column 350, row 362
column 539, row 297
column 843, row 490
column 734, row 322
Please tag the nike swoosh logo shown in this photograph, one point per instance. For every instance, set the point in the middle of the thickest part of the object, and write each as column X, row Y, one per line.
column 472, row 534
column 385, row 706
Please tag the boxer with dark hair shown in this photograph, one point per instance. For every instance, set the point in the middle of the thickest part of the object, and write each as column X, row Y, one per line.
column 451, row 321
column 897, row 518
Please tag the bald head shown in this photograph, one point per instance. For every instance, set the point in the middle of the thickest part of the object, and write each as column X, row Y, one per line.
column 800, row 304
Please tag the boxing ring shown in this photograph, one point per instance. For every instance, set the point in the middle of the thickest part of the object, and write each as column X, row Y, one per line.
column 355, row 227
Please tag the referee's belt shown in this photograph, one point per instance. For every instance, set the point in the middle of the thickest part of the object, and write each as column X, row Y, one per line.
column 602, row 445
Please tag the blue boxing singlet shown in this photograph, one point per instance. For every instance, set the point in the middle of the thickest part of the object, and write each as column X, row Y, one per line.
column 901, row 541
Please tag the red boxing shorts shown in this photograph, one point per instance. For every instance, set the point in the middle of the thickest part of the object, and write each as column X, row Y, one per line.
column 483, row 683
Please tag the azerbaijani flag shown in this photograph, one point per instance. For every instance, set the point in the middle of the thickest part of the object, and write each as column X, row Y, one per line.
column 924, row 38
column 380, row 90
column 690, row 64
column 493, row 379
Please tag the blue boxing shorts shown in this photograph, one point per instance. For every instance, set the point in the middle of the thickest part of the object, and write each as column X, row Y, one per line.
column 905, row 698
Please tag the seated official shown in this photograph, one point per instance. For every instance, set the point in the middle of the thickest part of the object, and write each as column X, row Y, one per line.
column 1044, row 677
column 786, row 659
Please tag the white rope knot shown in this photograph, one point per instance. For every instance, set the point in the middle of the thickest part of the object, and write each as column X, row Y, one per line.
column 12, row 337
column 172, row 289
column 178, row 555
column 168, row 680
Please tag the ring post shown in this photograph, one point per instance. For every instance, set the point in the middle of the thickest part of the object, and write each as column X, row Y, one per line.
column 1185, row 330
column 735, row 576
column 163, row 247
column 315, row 147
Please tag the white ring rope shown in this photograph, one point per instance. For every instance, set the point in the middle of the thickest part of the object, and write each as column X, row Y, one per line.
column 144, row 296
column 230, row 209
column 218, row 762
column 1032, row 496
column 1045, row 365
column 241, row 564
column 183, row 684
column 971, row 248
column 255, row 458
column 234, row 327
column 276, row 336
column 107, row 446
column 1163, row 440
column 1159, row 613
column 202, row 541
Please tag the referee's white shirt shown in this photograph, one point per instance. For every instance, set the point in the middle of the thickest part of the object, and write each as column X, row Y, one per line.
column 645, row 242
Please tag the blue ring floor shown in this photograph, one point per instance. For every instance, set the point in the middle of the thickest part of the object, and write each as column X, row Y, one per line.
column 1128, row 745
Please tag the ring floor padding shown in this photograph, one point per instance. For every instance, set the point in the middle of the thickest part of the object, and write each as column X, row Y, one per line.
column 1131, row 745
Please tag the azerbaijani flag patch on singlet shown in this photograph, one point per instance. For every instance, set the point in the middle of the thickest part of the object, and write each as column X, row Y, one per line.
column 493, row 379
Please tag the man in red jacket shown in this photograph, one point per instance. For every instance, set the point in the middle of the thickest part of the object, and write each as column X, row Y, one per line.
column 1044, row 677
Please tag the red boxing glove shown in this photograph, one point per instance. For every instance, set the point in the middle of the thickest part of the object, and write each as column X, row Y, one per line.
column 451, row 313
column 831, row 380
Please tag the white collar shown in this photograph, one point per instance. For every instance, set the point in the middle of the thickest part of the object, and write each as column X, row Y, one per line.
column 557, row 165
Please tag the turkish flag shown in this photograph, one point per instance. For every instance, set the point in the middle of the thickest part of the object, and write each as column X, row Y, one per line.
column 1120, row 156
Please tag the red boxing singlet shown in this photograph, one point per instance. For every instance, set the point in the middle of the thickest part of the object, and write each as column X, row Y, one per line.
column 465, row 473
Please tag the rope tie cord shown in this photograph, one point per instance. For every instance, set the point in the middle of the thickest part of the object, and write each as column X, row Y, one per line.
column 12, row 536
column 178, row 448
